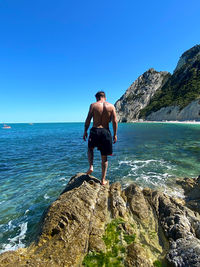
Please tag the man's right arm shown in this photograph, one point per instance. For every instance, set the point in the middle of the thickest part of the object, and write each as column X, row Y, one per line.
column 87, row 122
column 115, row 125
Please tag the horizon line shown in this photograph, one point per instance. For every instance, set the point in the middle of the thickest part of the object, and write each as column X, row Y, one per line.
column 42, row 122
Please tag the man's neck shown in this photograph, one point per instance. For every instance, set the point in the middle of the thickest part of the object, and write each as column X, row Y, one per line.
column 102, row 100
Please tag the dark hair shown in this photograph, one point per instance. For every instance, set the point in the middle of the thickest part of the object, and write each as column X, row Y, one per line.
column 100, row 94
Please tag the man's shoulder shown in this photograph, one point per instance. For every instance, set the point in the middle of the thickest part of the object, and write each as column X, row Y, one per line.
column 110, row 105
column 93, row 104
column 96, row 104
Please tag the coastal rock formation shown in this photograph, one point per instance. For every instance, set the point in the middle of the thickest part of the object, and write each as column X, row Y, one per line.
column 179, row 97
column 92, row 225
column 161, row 96
column 138, row 95
column 192, row 192
column 174, row 113
column 188, row 57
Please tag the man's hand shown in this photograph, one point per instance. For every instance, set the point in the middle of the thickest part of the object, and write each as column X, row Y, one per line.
column 114, row 139
column 85, row 135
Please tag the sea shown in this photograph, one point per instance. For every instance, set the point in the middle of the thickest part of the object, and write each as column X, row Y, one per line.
column 37, row 160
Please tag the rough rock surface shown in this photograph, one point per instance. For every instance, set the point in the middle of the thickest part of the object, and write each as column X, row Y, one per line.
column 90, row 225
column 138, row 95
column 188, row 57
column 174, row 113
column 158, row 96
column 192, row 193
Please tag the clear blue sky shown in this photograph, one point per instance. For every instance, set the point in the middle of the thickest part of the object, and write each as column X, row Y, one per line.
column 55, row 55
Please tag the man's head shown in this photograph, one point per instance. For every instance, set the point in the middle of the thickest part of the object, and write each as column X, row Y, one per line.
column 100, row 94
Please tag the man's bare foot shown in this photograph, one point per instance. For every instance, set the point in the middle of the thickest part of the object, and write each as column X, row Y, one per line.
column 104, row 182
column 90, row 170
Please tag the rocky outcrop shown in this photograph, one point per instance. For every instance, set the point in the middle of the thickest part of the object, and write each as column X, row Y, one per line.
column 95, row 225
column 174, row 113
column 188, row 57
column 161, row 96
column 179, row 98
column 192, row 193
column 138, row 95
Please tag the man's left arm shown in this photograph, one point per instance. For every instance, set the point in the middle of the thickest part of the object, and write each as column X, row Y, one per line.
column 87, row 122
column 115, row 125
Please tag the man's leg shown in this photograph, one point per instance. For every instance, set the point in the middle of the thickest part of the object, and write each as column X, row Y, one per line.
column 90, row 160
column 104, row 166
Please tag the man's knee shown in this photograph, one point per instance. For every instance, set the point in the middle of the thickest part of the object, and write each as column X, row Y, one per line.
column 104, row 158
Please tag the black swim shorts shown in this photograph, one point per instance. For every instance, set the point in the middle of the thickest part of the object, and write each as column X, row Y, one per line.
column 102, row 139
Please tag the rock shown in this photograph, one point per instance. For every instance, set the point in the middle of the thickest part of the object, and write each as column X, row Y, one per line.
column 192, row 192
column 175, row 113
column 137, row 203
column 181, row 227
column 178, row 98
column 117, row 203
column 90, row 225
column 136, row 256
column 160, row 96
column 139, row 94
column 188, row 57
column 185, row 252
column 73, row 223
column 187, row 184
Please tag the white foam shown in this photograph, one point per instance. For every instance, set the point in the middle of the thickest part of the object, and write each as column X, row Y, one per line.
column 125, row 162
column 165, row 175
column 26, row 211
column 46, row 196
column 10, row 224
column 16, row 242
column 63, row 179
column 137, row 166
column 142, row 163
column 174, row 192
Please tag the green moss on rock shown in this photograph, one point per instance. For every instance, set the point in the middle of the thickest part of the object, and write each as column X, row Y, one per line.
column 129, row 238
column 116, row 241
column 157, row 263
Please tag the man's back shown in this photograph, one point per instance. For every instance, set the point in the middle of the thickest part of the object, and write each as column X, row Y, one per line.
column 102, row 112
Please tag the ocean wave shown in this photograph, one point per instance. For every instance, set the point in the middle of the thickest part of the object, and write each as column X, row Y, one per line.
column 15, row 242
column 141, row 163
column 46, row 196
column 27, row 211
column 151, row 172
column 63, row 179
column 174, row 191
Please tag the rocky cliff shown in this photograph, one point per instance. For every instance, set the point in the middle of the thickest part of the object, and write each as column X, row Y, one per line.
column 95, row 225
column 177, row 97
column 139, row 94
column 174, row 113
column 188, row 57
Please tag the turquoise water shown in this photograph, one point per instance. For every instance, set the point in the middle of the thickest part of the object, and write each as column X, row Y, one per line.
column 36, row 162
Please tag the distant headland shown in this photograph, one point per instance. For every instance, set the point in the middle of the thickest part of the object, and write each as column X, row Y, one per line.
column 161, row 96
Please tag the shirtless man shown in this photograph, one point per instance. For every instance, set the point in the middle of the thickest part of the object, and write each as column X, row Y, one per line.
column 102, row 113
